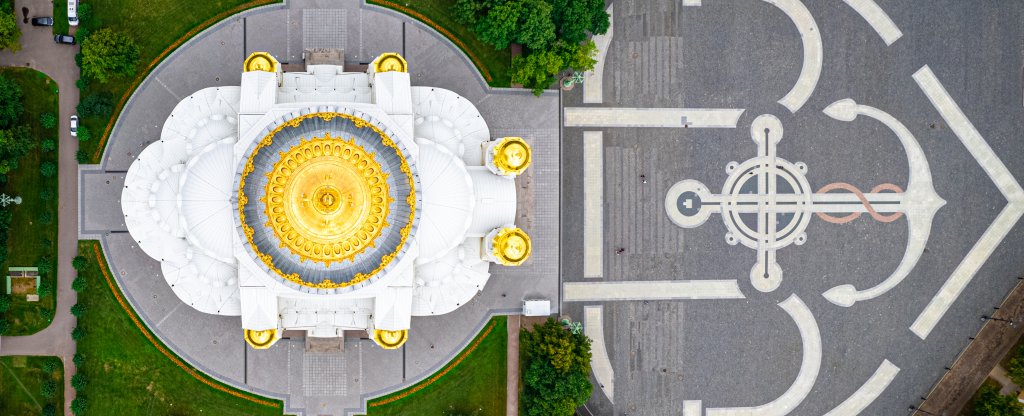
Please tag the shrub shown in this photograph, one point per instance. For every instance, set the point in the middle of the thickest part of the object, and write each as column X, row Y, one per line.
column 49, row 410
column 44, row 265
column 78, row 310
column 78, row 360
column 48, row 389
column 4, row 326
column 1015, row 369
column 79, row 263
column 79, row 405
column 11, row 106
column 991, row 403
column 45, row 289
column 82, row 83
column 82, row 157
column 48, row 169
column 79, row 284
column 46, row 218
column 48, row 120
column 5, row 303
column 46, row 194
column 78, row 333
column 49, row 145
column 47, row 314
column 50, row 366
column 78, row 381
column 96, row 105
column 83, row 134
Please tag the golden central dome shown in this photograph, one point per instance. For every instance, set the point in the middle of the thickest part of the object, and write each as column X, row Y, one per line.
column 327, row 199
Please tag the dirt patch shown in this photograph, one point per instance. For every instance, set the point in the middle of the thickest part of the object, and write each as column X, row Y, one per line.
column 23, row 286
column 527, row 322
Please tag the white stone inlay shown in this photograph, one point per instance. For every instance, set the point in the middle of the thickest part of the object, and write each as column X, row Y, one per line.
column 593, row 204
column 811, row 39
column 868, row 392
column 593, row 327
column 651, row 290
column 593, row 81
column 652, row 117
column 877, row 18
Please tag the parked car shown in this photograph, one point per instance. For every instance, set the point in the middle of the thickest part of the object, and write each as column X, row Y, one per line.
column 73, row 12
column 65, row 39
column 42, row 21
column 74, row 126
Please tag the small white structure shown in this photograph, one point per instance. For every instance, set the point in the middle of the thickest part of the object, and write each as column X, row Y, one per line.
column 327, row 201
column 536, row 307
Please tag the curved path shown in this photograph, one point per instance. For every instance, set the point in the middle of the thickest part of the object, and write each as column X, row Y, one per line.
column 322, row 383
column 805, row 378
column 868, row 392
column 56, row 61
column 811, row 39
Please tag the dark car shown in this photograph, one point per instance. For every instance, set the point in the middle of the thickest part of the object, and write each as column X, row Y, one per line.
column 65, row 39
column 42, row 21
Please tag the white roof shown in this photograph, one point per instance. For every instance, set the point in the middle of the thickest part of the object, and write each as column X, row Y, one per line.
column 495, row 204
column 447, row 201
column 205, row 200
column 537, row 307
column 441, row 286
column 206, row 284
column 324, row 83
column 202, row 118
column 259, row 92
column 450, row 120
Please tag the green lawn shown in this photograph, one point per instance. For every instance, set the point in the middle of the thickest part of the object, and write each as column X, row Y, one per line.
column 20, row 381
column 158, row 26
column 493, row 64
column 129, row 375
column 475, row 385
column 30, row 238
column 60, row 17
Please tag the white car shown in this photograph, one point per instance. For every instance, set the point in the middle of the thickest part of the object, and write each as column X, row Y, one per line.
column 74, row 126
column 73, row 12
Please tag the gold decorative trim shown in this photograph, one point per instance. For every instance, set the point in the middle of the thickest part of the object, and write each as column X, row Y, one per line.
column 261, row 339
column 390, row 62
column 327, row 283
column 512, row 155
column 390, row 340
column 511, row 246
column 327, row 199
column 260, row 61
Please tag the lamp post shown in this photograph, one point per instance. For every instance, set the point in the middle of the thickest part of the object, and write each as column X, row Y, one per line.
column 6, row 200
column 990, row 318
column 918, row 409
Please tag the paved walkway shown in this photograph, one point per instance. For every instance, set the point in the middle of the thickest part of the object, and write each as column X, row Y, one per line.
column 999, row 374
column 989, row 346
column 57, row 61
column 512, row 368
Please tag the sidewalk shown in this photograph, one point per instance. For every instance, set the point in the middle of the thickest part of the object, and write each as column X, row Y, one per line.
column 39, row 52
column 512, row 368
column 989, row 347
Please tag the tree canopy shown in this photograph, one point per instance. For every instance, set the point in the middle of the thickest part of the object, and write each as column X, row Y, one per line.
column 14, row 143
column 107, row 53
column 991, row 403
column 538, row 69
column 9, row 32
column 10, row 102
column 556, row 375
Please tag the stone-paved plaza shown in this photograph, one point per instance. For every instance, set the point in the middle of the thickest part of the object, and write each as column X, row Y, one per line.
column 774, row 207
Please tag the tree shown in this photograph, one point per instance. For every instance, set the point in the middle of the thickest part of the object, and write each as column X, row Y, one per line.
column 46, row 194
column 79, row 263
column 49, row 145
column 79, row 284
column 47, row 169
column 11, row 105
column 576, row 18
column 49, row 409
column 467, row 12
column 48, row 120
column 107, row 53
column 83, row 134
column 51, row 365
column 78, row 310
column 14, row 143
column 556, row 379
column 498, row 26
column 46, row 218
column 578, row 56
column 45, row 289
column 96, row 105
column 79, row 405
column 537, row 70
column 9, row 32
column 44, row 265
column 48, row 389
column 78, row 360
column 81, row 156
column 991, row 403
column 78, row 381
column 78, row 333
column 536, row 30
column 5, row 303
column 1015, row 369
column 4, row 326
